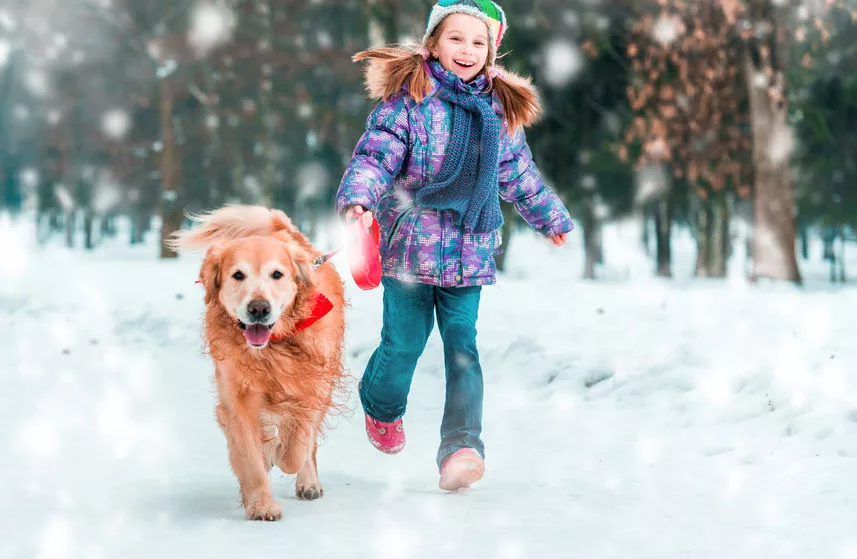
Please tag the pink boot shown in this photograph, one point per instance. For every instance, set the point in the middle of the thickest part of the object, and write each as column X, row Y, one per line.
column 461, row 469
column 389, row 438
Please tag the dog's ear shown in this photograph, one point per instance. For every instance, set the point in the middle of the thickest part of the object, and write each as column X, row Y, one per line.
column 209, row 274
column 302, row 269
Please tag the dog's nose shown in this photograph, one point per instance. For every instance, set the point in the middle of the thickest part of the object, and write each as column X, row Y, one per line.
column 259, row 309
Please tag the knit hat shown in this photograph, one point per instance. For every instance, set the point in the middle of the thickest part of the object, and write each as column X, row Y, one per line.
column 486, row 10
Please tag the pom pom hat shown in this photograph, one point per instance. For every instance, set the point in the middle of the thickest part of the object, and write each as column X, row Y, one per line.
column 486, row 10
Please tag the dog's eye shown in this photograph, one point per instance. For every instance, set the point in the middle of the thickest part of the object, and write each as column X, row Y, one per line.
column 239, row 275
column 277, row 275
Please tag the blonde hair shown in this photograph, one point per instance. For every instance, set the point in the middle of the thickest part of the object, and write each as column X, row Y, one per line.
column 392, row 67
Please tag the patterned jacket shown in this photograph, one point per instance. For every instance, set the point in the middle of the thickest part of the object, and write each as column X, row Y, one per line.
column 403, row 147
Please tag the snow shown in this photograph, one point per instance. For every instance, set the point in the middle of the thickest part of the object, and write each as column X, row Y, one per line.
column 37, row 82
column 628, row 417
column 563, row 62
column 781, row 143
column 211, row 26
column 115, row 123
column 313, row 178
column 651, row 181
column 666, row 30
column 5, row 49
column 7, row 22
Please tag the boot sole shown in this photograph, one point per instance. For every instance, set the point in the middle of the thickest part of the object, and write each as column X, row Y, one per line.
column 461, row 474
column 386, row 449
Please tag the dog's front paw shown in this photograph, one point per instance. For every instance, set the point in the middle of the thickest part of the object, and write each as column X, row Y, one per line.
column 264, row 510
column 309, row 492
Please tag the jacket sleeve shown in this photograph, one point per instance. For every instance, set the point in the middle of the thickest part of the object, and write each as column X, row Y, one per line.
column 522, row 184
column 378, row 156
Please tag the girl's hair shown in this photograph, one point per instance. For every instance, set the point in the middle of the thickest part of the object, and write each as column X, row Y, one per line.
column 391, row 67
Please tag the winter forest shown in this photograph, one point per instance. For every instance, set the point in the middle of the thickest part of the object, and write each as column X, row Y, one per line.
column 712, row 117
column 678, row 380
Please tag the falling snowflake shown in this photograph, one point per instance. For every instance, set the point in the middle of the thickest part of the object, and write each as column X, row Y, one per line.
column 312, row 180
column 652, row 182
column 305, row 110
column 211, row 25
column 29, row 177
column 588, row 182
column 115, row 123
column 601, row 210
column 4, row 53
column 563, row 62
column 64, row 197
column 21, row 112
column 108, row 195
column 324, row 39
column 781, row 144
column 37, row 82
column 666, row 30
column 7, row 22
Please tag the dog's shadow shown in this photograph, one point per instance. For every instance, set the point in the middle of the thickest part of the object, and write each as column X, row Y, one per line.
column 195, row 501
column 201, row 501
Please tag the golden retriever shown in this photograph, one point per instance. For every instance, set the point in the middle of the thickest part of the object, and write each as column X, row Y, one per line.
column 276, row 344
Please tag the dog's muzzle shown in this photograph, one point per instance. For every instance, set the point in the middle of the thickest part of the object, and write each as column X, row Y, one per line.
column 257, row 329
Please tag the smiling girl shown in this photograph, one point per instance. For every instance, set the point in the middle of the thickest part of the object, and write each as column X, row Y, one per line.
column 444, row 145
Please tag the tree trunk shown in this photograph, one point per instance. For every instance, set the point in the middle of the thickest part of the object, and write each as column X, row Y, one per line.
column 645, row 233
column 663, row 229
column 139, row 226
column 712, row 238
column 88, row 223
column 591, row 242
column 69, row 228
column 171, row 210
column 803, row 233
column 773, row 210
column 837, row 261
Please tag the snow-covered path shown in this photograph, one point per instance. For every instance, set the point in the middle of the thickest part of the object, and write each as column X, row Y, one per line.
column 622, row 419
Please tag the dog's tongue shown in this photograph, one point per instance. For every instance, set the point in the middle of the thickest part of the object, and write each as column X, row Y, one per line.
column 257, row 334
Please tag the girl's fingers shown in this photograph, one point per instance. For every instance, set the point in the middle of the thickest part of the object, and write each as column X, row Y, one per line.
column 353, row 211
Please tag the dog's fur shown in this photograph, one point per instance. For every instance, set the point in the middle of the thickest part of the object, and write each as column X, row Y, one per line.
column 273, row 398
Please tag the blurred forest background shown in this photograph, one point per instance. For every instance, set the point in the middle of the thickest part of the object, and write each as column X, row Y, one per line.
column 733, row 119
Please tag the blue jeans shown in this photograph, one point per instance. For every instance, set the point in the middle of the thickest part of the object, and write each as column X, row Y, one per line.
column 409, row 310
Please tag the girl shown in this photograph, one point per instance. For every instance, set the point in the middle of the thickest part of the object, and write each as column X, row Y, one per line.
column 445, row 143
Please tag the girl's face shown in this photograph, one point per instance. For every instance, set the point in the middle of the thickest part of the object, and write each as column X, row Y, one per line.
column 462, row 45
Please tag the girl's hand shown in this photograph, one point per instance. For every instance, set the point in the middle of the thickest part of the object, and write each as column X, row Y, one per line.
column 559, row 240
column 359, row 212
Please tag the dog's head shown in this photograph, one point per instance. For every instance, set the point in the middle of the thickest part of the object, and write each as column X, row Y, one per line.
column 255, row 279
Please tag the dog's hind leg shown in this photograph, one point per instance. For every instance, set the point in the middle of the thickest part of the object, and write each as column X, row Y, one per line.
column 248, row 461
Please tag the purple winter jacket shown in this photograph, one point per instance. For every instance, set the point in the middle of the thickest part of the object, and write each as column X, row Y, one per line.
column 403, row 147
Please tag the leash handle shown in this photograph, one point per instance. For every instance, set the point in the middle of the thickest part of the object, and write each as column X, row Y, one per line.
column 364, row 253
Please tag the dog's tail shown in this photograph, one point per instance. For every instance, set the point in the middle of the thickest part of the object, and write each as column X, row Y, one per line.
column 227, row 223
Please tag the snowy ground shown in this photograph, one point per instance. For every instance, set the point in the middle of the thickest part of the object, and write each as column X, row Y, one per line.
column 626, row 418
